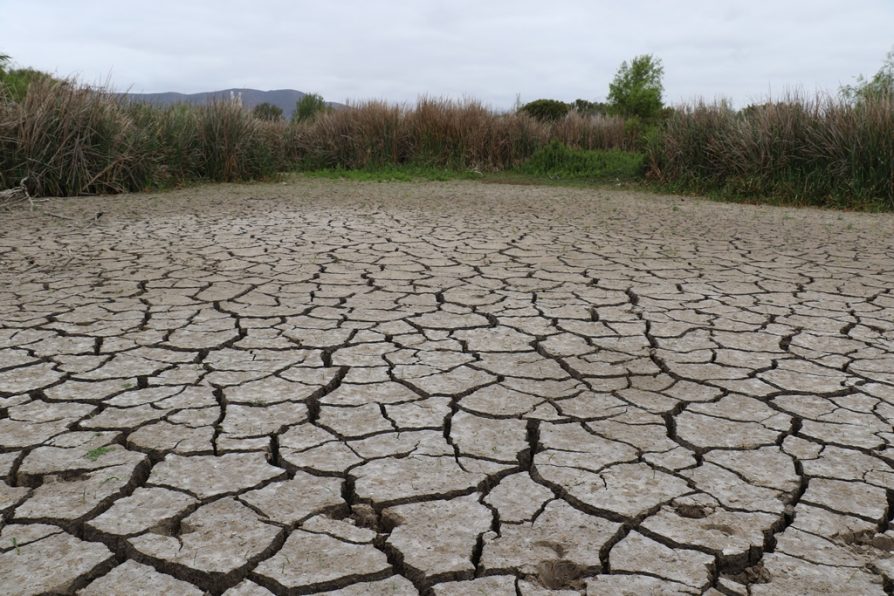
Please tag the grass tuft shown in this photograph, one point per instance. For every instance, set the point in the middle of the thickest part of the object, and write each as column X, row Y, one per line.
column 95, row 454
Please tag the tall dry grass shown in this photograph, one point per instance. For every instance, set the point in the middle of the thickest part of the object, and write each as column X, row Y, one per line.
column 821, row 151
column 68, row 139
column 443, row 133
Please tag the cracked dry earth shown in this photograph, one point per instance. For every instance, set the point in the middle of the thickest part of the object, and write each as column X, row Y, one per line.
column 448, row 389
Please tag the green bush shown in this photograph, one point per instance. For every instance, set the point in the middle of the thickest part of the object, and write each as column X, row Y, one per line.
column 559, row 161
column 15, row 82
column 590, row 108
column 546, row 110
column 308, row 107
column 267, row 111
column 879, row 86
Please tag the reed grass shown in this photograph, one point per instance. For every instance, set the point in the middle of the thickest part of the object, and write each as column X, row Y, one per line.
column 68, row 139
column 821, row 151
column 443, row 133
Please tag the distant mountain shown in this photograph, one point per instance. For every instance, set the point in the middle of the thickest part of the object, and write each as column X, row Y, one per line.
column 285, row 99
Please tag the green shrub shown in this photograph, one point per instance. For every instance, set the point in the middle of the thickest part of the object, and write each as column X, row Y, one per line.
column 267, row 111
column 15, row 82
column 546, row 110
column 559, row 161
column 590, row 108
column 308, row 107
column 880, row 85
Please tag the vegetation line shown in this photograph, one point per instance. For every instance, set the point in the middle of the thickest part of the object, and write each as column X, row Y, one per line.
column 64, row 138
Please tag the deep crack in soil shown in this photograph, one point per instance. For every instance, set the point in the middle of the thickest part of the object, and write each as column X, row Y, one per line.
column 444, row 388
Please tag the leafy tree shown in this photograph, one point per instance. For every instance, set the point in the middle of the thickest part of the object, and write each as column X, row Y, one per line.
column 637, row 89
column 546, row 110
column 880, row 85
column 308, row 107
column 4, row 62
column 589, row 108
column 267, row 111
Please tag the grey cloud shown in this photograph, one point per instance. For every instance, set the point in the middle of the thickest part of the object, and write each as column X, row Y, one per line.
column 492, row 50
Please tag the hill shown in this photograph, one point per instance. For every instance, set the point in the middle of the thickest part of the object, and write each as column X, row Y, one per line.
column 285, row 99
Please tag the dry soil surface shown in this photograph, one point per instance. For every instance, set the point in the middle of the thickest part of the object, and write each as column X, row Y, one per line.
column 444, row 388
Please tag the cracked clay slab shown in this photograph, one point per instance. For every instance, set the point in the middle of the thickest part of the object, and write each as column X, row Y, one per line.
column 332, row 387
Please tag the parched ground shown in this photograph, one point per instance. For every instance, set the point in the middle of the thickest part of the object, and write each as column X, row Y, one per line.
column 450, row 388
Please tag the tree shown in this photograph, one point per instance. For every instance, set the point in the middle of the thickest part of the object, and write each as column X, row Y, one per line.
column 308, row 107
column 267, row 111
column 546, row 110
column 4, row 62
column 880, row 85
column 637, row 89
column 589, row 108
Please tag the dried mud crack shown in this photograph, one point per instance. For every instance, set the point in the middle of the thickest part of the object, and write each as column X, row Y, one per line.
column 446, row 388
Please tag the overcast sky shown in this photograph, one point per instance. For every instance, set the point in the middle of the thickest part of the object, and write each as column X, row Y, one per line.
column 492, row 50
